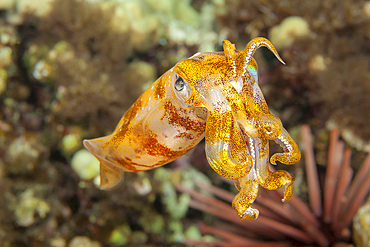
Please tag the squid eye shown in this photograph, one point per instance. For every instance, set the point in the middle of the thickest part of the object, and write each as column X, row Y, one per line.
column 179, row 84
column 181, row 88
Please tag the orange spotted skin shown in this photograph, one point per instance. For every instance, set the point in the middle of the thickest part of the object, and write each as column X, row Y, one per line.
column 215, row 95
column 153, row 132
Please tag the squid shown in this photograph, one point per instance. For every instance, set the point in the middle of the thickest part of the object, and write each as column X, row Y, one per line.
column 212, row 95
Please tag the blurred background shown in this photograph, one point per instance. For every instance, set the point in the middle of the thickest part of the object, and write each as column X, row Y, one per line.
column 69, row 69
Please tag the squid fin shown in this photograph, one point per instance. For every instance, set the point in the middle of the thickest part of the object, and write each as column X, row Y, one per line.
column 110, row 174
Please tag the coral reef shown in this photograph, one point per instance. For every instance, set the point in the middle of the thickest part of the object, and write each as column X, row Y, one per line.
column 290, row 29
column 361, row 226
column 70, row 68
column 85, row 165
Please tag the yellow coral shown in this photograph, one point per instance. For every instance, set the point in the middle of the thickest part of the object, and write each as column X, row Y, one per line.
column 290, row 29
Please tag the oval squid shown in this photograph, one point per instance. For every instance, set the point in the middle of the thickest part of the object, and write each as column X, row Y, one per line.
column 213, row 95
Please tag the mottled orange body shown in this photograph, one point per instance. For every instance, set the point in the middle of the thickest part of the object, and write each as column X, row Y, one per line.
column 215, row 95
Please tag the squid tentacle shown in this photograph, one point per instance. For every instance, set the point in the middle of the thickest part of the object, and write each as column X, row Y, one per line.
column 226, row 150
column 230, row 54
column 272, row 180
column 246, row 196
column 270, row 126
column 276, row 180
column 291, row 153
column 253, row 45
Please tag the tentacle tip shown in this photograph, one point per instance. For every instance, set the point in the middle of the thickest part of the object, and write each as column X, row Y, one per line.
column 281, row 60
column 278, row 57
column 250, row 213
column 288, row 191
column 273, row 159
column 286, row 198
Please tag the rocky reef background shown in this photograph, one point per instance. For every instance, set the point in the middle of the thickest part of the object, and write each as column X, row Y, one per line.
column 70, row 68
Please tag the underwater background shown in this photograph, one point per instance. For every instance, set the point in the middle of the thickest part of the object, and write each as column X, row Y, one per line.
column 69, row 69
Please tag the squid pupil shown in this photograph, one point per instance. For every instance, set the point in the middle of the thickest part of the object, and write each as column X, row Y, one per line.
column 179, row 84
